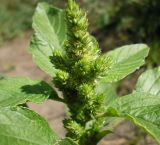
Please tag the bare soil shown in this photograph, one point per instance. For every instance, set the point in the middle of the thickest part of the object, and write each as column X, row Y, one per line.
column 16, row 61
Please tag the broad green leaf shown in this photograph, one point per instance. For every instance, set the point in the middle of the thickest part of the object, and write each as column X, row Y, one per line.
column 143, row 109
column 21, row 126
column 19, row 90
column 149, row 82
column 107, row 90
column 125, row 60
column 49, row 34
column 112, row 122
column 110, row 93
column 66, row 141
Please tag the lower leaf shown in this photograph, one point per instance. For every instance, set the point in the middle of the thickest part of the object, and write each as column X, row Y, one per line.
column 143, row 109
column 19, row 90
column 21, row 126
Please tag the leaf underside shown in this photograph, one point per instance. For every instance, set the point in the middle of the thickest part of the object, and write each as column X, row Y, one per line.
column 149, row 82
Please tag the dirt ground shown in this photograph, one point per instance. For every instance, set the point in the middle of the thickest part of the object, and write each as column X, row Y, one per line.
column 16, row 61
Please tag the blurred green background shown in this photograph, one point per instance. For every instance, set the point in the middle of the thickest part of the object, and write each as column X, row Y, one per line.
column 113, row 22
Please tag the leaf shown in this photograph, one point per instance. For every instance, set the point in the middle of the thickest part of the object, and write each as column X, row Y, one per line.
column 49, row 34
column 143, row 109
column 21, row 126
column 125, row 60
column 66, row 141
column 107, row 90
column 19, row 90
column 112, row 122
column 149, row 82
column 110, row 93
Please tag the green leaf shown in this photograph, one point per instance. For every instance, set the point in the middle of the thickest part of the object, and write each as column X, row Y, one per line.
column 112, row 122
column 107, row 90
column 149, row 82
column 125, row 60
column 19, row 90
column 143, row 109
column 21, row 126
column 66, row 141
column 49, row 34
column 110, row 93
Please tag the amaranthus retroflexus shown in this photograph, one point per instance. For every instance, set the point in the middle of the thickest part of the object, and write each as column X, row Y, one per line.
column 80, row 65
